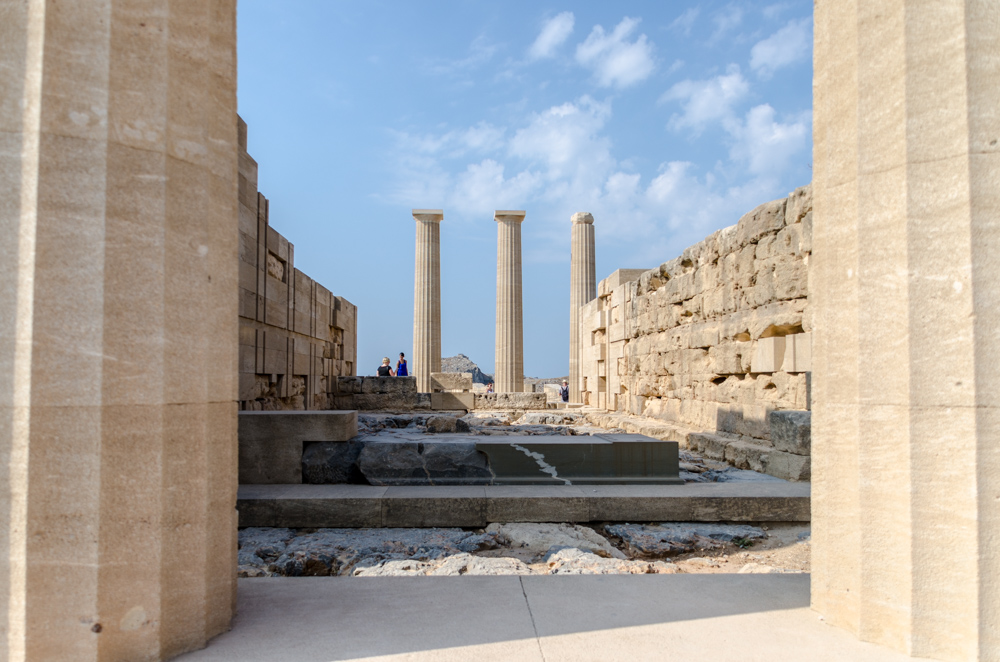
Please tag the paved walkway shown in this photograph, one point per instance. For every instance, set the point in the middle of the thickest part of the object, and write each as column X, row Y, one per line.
column 551, row 619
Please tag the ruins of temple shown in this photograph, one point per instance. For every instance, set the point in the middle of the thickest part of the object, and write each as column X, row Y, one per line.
column 715, row 343
column 121, row 367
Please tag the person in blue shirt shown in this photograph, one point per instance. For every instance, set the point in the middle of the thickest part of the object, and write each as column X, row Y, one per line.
column 401, row 366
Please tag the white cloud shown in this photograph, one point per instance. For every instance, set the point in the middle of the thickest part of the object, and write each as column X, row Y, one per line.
column 789, row 45
column 765, row 145
column 616, row 61
column 685, row 21
column 555, row 31
column 707, row 101
column 564, row 137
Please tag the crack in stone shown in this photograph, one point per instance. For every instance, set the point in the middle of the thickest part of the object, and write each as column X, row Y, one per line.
column 542, row 464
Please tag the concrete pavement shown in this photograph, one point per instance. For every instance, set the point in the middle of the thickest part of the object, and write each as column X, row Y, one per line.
column 552, row 619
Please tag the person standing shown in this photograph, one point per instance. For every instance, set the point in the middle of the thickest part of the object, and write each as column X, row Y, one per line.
column 401, row 366
column 385, row 370
column 564, row 391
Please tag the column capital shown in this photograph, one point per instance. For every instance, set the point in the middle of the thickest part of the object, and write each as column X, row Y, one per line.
column 508, row 215
column 583, row 217
column 428, row 215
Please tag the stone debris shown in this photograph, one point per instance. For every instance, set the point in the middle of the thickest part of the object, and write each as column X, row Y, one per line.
column 521, row 549
column 573, row 561
column 540, row 538
column 664, row 539
column 283, row 552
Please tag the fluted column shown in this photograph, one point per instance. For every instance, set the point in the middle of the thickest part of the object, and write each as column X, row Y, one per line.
column 582, row 290
column 509, row 376
column 905, row 288
column 427, row 298
column 118, row 327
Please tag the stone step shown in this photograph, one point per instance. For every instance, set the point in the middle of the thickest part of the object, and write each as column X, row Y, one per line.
column 454, row 459
column 270, row 442
column 349, row 506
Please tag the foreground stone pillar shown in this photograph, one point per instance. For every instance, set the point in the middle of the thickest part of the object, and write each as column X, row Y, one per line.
column 582, row 290
column 905, row 285
column 427, row 298
column 509, row 377
column 118, row 327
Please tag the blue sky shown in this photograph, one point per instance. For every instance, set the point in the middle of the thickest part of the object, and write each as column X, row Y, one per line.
column 665, row 120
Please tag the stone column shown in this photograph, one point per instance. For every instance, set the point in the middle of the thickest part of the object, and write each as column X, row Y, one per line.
column 427, row 298
column 905, row 288
column 118, row 327
column 582, row 289
column 509, row 377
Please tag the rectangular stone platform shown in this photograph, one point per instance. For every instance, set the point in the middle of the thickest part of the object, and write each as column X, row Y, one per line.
column 450, row 459
column 349, row 506
column 270, row 442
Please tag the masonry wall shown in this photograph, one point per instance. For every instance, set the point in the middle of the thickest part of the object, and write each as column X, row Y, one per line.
column 714, row 341
column 295, row 335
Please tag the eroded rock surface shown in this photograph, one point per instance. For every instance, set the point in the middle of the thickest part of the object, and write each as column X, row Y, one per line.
column 540, row 538
column 674, row 538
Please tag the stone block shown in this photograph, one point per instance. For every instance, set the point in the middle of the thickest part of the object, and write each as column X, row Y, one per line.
column 424, row 506
column 788, row 466
column 271, row 442
column 453, row 401
column 385, row 401
column 768, row 354
column 451, row 381
column 790, row 431
column 331, row 462
column 310, row 506
column 393, row 385
column 798, row 353
column 510, row 401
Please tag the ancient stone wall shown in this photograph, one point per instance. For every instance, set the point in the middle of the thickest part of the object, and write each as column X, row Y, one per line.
column 714, row 341
column 295, row 336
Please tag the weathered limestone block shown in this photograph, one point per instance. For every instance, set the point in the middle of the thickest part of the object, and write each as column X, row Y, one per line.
column 798, row 353
column 451, row 381
column 768, row 217
column 790, row 431
column 271, row 442
column 386, row 401
column 329, row 462
column 393, row 385
column 769, row 354
column 412, row 463
column 788, row 466
column 453, row 401
column 510, row 401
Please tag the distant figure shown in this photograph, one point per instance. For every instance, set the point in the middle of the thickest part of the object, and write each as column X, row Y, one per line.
column 489, row 387
column 401, row 366
column 564, row 391
column 385, row 370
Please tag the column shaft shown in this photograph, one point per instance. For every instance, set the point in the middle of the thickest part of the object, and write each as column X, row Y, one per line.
column 582, row 290
column 427, row 298
column 906, row 394
column 118, row 328
column 509, row 376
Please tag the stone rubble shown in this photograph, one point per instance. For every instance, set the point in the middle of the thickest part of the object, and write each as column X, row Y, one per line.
column 519, row 548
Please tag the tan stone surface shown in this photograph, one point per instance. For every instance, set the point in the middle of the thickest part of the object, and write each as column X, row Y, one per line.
column 509, row 377
column 714, row 339
column 582, row 289
column 451, row 381
column 904, row 287
column 118, row 328
column 427, row 298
